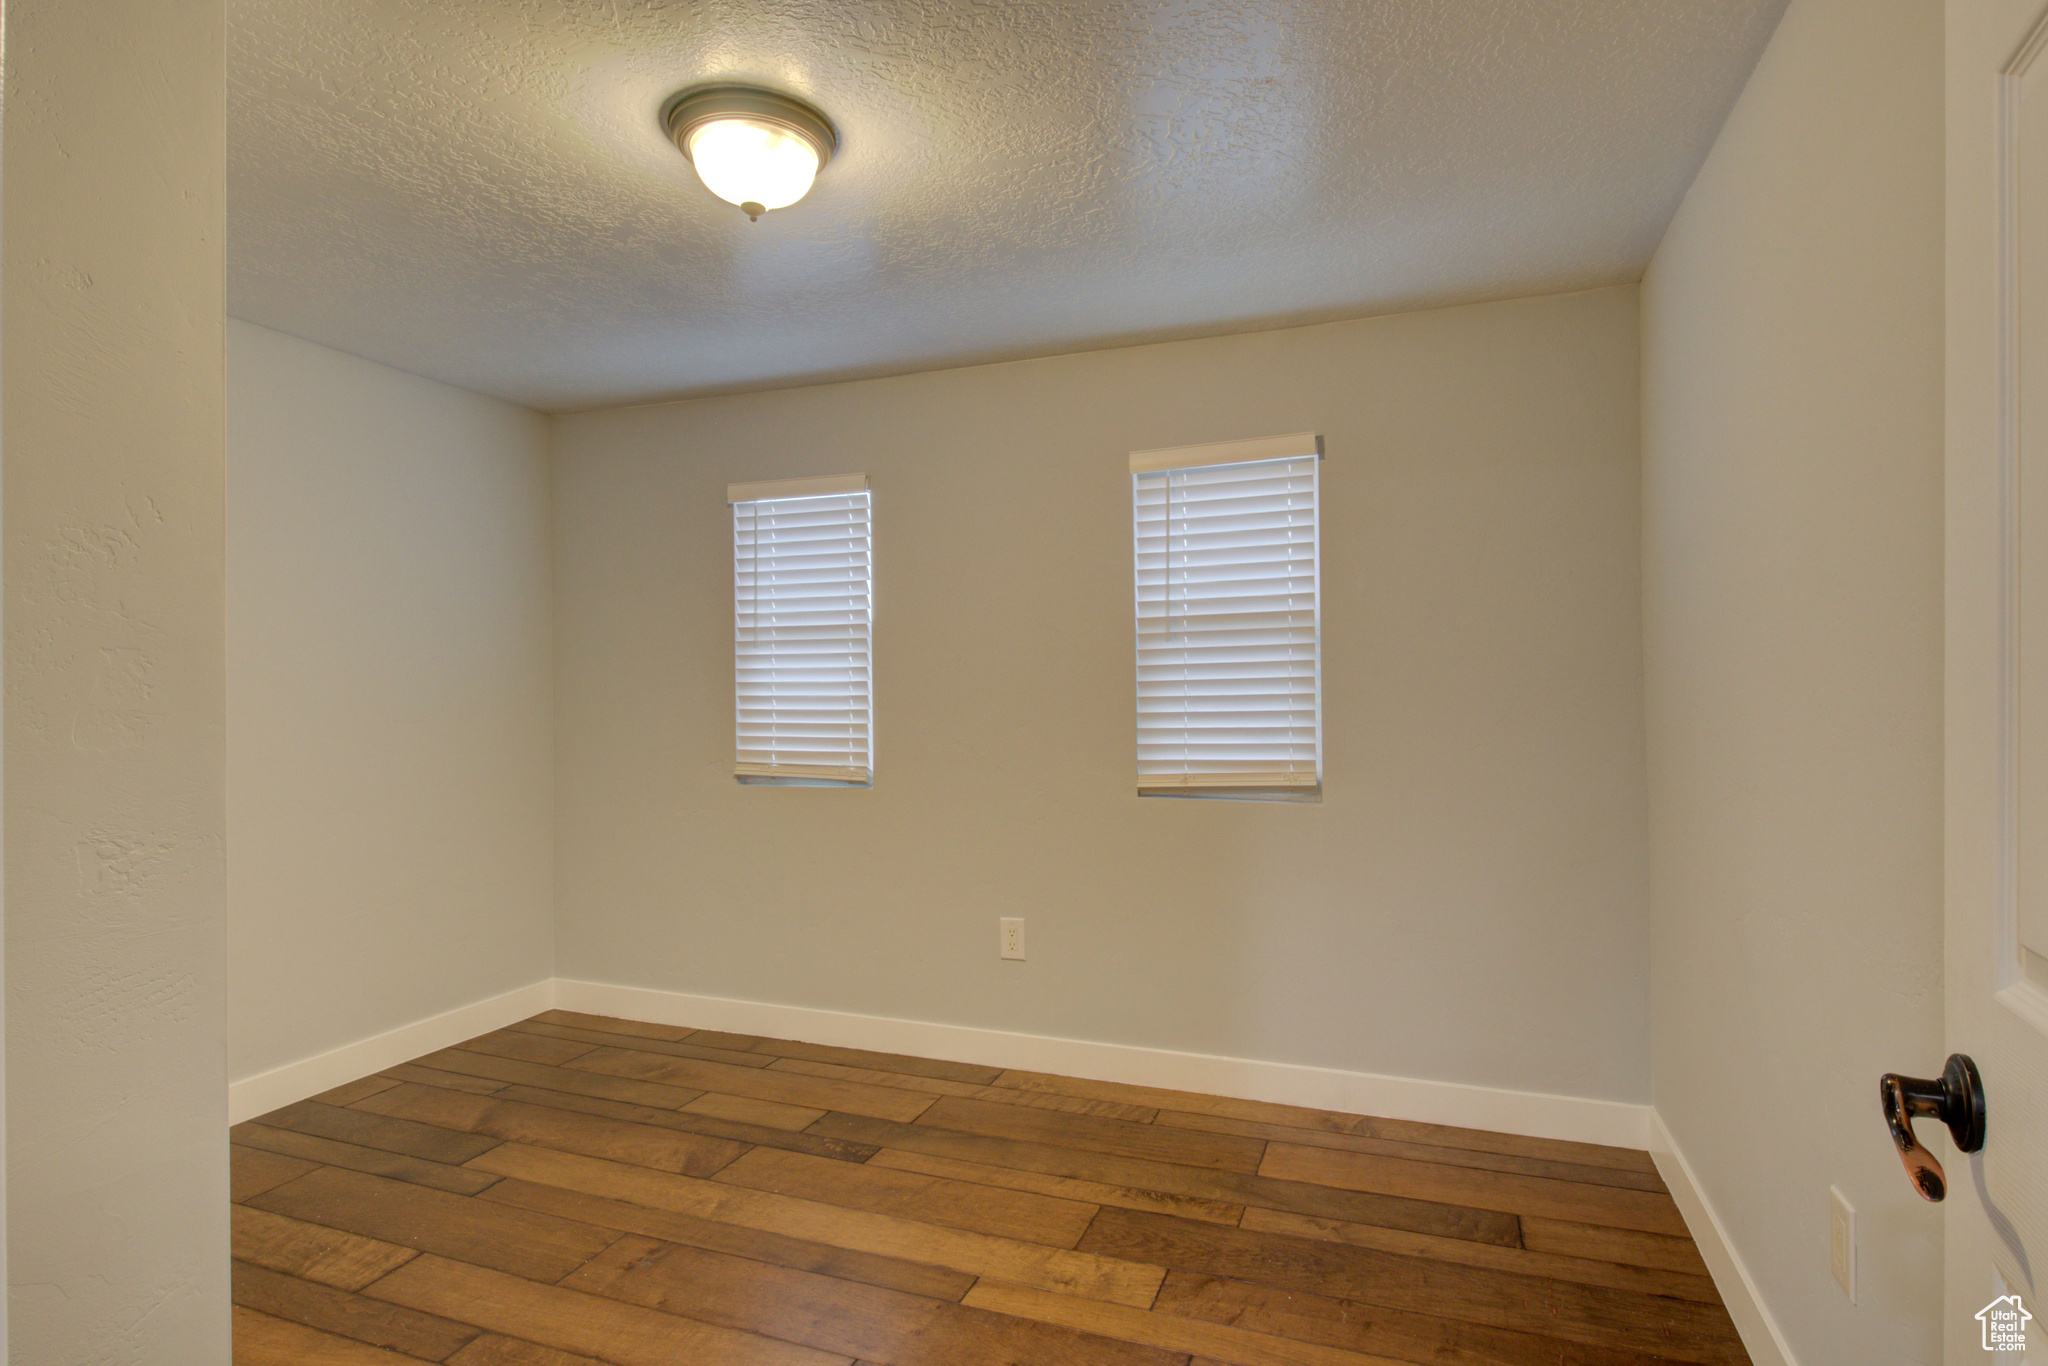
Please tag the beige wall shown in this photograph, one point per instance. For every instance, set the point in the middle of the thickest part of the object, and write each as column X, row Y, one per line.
column 390, row 698
column 1792, row 606
column 110, row 418
column 1466, row 903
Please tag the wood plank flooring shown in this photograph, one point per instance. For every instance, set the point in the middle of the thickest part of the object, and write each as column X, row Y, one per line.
column 580, row 1191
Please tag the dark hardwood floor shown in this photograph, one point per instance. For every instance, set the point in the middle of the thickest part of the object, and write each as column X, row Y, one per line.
column 575, row 1190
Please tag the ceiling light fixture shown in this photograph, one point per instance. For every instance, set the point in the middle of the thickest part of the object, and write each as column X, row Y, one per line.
column 751, row 147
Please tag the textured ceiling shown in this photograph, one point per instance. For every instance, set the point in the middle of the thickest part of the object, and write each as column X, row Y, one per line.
column 478, row 190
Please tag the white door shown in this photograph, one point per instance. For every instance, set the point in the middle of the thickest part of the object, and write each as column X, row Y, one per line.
column 1997, row 668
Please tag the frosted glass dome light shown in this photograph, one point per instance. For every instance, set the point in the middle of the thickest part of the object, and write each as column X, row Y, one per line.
column 751, row 147
column 746, row 161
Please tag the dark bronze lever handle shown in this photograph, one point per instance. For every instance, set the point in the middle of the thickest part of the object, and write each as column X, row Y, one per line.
column 1956, row 1099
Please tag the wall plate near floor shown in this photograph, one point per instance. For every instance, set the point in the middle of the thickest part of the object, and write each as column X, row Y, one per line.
column 1842, row 1241
column 1010, row 942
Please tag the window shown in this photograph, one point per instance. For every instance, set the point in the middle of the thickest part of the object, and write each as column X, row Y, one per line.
column 1229, row 653
column 803, row 616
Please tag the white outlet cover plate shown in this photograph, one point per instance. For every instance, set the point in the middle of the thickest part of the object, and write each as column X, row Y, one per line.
column 1010, row 936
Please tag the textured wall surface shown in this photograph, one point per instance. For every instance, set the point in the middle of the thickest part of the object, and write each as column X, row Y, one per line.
column 1792, row 449
column 1466, row 903
column 110, row 416
column 390, row 699
column 479, row 190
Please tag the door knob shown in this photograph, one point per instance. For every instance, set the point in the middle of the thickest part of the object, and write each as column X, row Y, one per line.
column 1956, row 1098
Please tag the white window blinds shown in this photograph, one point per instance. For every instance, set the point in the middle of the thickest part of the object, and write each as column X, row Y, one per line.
column 1229, row 660
column 803, row 615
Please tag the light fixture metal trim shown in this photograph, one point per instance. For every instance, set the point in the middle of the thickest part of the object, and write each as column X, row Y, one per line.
column 689, row 110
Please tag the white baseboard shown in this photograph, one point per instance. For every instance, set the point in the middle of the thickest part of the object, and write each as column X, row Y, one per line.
column 1431, row 1102
column 1531, row 1113
column 1767, row 1346
column 266, row 1091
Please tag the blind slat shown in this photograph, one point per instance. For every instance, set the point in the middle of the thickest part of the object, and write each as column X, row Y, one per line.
column 803, row 609
column 1228, row 626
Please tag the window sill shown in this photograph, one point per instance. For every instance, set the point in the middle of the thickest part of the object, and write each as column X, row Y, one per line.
column 764, row 780
column 1310, row 795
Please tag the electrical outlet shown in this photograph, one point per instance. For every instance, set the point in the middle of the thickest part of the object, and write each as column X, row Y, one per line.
column 1011, row 942
column 1842, row 1240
